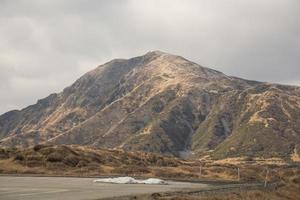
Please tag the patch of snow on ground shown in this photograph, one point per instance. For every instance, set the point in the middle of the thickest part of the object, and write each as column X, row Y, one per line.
column 130, row 180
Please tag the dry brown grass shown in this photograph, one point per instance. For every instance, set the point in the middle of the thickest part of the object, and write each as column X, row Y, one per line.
column 77, row 161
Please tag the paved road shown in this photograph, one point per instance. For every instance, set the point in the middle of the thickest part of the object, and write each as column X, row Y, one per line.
column 63, row 188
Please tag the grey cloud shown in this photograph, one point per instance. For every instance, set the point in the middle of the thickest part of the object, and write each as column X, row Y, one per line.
column 47, row 44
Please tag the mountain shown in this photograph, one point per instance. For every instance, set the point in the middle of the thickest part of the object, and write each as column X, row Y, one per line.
column 163, row 103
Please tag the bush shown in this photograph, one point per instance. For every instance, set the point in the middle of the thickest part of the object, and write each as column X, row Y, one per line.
column 249, row 159
column 93, row 157
column 3, row 154
column 55, row 157
column 34, row 157
column 39, row 147
column 94, row 166
column 166, row 163
column 57, row 166
column 71, row 160
column 34, row 163
column 65, row 150
column 158, row 106
column 82, row 163
column 217, row 170
column 296, row 180
column 47, row 150
column 19, row 157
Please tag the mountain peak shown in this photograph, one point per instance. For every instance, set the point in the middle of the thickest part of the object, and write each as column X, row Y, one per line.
column 156, row 52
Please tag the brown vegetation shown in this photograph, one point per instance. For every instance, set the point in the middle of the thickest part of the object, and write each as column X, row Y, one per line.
column 76, row 160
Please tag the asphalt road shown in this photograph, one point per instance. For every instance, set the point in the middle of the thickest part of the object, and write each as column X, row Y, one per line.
column 63, row 188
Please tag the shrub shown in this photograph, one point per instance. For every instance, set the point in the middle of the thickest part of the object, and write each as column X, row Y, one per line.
column 248, row 159
column 39, row 147
column 34, row 163
column 47, row 150
column 296, row 180
column 65, row 150
column 56, row 166
column 71, row 160
column 94, row 166
column 82, row 163
column 55, row 157
column 217, row 170
column 19, row 157
column 34, row 157
column 3, row 154
column 158, row 106
column 166, row 163
column 94, row 157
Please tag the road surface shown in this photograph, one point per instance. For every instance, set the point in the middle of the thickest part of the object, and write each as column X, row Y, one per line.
column 64, row 188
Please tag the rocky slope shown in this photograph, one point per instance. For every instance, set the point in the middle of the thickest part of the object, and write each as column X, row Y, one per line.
column 163, row 103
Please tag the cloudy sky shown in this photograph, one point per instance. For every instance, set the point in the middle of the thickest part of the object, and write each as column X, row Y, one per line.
column 45, row 45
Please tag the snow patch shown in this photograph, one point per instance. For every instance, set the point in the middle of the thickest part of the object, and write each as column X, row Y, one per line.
column 130, row 180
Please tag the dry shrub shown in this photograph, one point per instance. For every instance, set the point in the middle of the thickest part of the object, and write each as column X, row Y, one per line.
column 93, row 157
column 93, row 166
column 194, row 170
column 71, row 160
column 55, row 157
column 34, row 163
column 288, row 173
column 111, row 160
column 34, row 157
column 4, row 154
column 61, row 150
column 249, row 159
column 65, row 150
column 166, row 163
column 57, row 166
column 296, row 180
column 19, row 157
column 217, row 170
column 40, row 146
column 31, row 171
column 82, row 163
column 152, row 158
column 47, row 150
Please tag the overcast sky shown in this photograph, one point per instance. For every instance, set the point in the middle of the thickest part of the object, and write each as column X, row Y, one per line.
column 45, row 45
